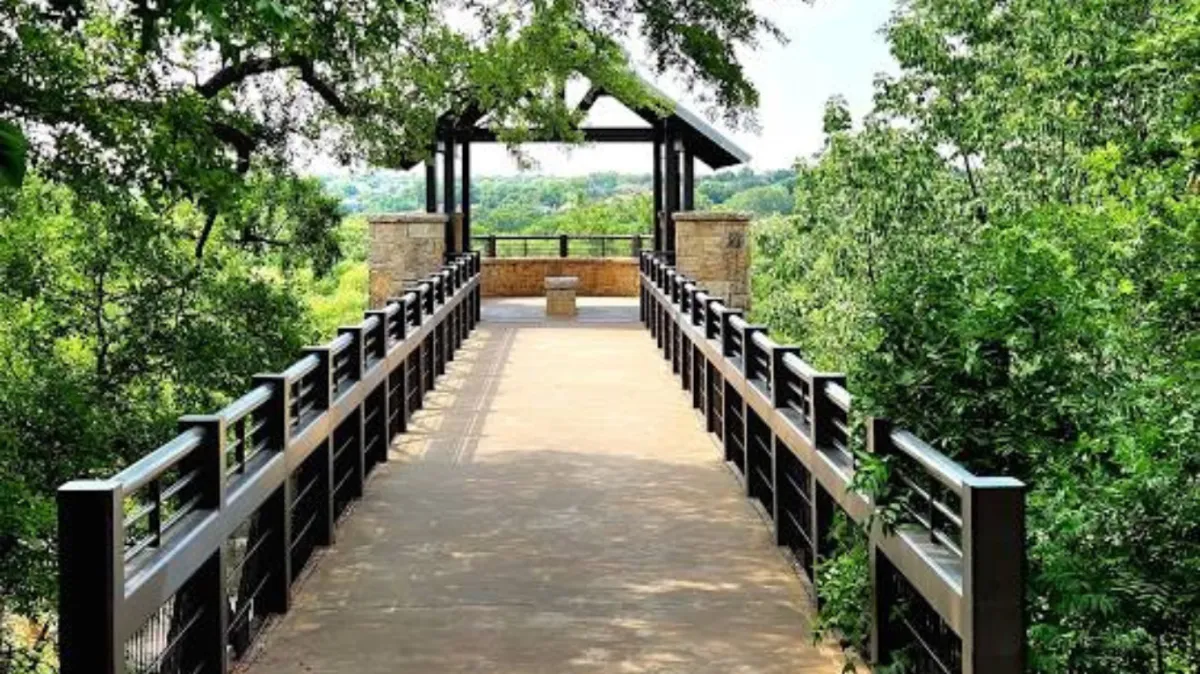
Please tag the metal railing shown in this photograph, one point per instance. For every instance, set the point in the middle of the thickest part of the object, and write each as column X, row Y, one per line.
column 559, row 245
column 172, row 565
column 947, row 582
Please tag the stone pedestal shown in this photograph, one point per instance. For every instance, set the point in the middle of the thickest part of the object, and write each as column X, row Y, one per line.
column 712, row 248
column 560, row 295
column 404, row 247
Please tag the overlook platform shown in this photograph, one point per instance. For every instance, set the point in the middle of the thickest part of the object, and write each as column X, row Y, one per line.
column 555, row 507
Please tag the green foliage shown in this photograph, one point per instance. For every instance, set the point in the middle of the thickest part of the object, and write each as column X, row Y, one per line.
column 598, row 203
column 12, row 155
column 844, row 588
column 165, row 249
column 762, row 201
column 1003, row 258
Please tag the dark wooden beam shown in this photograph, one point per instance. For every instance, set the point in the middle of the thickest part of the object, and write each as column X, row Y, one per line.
column 689, row 179
column 589, row 99
column 672, row 188
column 630, row 134
column 658, row 186
column 431, row 202
column 448, row 200
column 466, row 194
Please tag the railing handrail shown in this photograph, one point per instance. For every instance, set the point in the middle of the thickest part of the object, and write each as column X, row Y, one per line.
column 974, row 582
column 110, row 585
column 555, row 237
column 143, row 471
column 610, row 245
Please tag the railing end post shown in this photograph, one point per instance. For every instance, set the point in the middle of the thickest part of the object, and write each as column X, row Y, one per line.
column 210, row 457
column 90, row 577
column 994, row 567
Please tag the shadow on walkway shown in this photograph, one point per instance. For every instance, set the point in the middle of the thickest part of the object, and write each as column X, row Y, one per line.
column 555, row 508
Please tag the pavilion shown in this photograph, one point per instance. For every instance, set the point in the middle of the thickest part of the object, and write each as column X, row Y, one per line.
column 679, row 139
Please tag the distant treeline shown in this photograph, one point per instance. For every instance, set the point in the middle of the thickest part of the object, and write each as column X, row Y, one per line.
column 599, row 202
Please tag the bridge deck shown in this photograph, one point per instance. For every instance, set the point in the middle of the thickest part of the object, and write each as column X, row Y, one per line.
column 555, row 508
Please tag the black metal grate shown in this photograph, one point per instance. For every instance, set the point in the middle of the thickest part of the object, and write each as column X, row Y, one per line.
column 309, row 491
column 795, row 507
column 346, row 458
column 397, row 401
column 248, row 572
column 759, row 472
column 413, row 385
column 171, row 640
column 929, row 645
column 375, row 427
column 735, row 429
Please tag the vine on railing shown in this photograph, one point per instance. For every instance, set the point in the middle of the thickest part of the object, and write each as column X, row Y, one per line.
column 173, row 564
column 947, row 579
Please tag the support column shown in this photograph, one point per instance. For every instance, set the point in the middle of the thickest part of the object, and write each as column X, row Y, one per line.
column 711, row 249
column 403, row 247
column 689, row 179
column 466, row 195
column 448, row 198
column 431, row 203
column 658, row 187
column 672, row 201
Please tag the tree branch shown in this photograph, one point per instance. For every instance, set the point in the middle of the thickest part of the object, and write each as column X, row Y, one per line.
column 323, row 88
column 238, row 72
column 243, row 143
column 209, row 221
column 249, row 237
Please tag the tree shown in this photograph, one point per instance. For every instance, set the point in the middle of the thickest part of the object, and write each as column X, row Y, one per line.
column 997, row 260
column 155, row 253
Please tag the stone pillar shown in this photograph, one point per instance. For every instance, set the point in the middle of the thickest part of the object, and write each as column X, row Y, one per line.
column 404, row 247
column 711, row 248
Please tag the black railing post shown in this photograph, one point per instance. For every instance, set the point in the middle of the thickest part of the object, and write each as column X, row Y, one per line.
column 564, row 246
column 323, row 378
column 382, row 336
column 749, row 362
column 491, row 245
column 277, row 595
column 712, row 322
column 779, row 400
column 637, row 245
column 210, row 579
column 821, row 413
column 727, row 333
column 883, row 590
column 91, row 577
column 993, row 542
column 779, row 375
column 359, row 414
column 478, row 270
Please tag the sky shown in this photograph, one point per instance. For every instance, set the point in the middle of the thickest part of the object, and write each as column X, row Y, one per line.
column 834, row 47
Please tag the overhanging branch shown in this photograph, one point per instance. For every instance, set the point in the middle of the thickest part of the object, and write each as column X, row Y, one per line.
column 237, row 73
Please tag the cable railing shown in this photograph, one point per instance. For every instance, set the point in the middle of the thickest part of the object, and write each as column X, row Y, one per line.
column 559, row 245
column 172, row 565
column 947, row 579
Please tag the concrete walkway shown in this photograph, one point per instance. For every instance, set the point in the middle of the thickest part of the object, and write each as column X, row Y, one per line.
column 557, row 508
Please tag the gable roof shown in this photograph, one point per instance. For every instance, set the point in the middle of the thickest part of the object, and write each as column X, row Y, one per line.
column 705, row 142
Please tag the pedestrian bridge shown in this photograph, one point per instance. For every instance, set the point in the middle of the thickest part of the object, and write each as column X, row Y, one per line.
column 465, row 486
